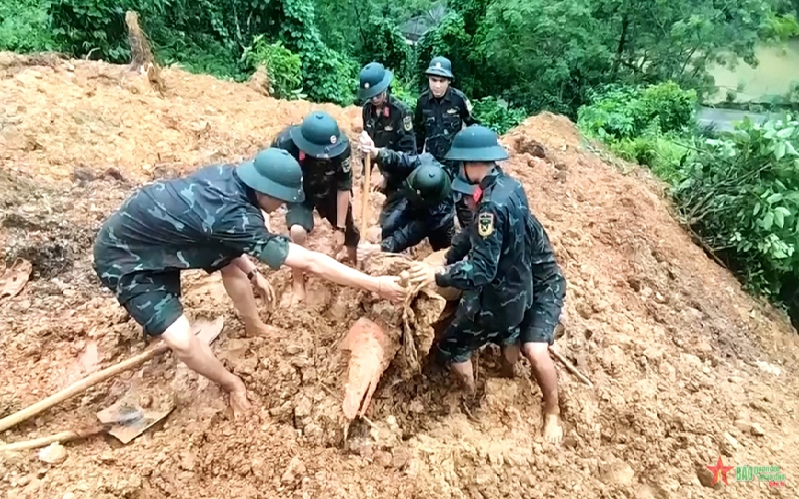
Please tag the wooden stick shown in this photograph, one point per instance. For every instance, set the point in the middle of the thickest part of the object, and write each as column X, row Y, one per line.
column 81, row 386
column 64, row 436
column 571, row 368
column 367, row 186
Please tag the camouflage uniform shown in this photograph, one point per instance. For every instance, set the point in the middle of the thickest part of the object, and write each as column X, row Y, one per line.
column 549, row 290
column 496, row 278
column 202, row 221
column 411, row 222
column 436, row 122
column 390, row 126
column 322, row 180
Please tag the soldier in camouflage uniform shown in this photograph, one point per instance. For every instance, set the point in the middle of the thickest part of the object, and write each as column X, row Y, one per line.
column 425, row 210
column 387, row 122
column 324, row 155
column 441, row 112
column 210, row 220
column 536, row 331
column 489, row 260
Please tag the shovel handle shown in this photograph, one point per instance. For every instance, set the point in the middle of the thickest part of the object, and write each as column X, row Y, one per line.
column 367, row 186
column 81, row 386
column 64, row 436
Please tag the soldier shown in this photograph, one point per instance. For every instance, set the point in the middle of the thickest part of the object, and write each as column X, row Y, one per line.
column 425, row 209
column 537, row 330
column 441, row 112
column 547, row 286
column 324, row 156
column 210, row 220
column 388, row 123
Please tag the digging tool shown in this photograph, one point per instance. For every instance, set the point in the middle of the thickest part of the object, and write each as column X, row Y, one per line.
column 571, row 368
column 205, row 330
column 367, row 187
column 64, row 436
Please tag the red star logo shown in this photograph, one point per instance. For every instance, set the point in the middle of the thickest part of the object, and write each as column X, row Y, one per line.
column 720, row 471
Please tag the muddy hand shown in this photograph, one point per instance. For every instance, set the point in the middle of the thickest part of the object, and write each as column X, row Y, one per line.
column 365, row 142
column 421, row 274
column 338, row 240
column 389, row 288
column 264, row 289
column 238, row 399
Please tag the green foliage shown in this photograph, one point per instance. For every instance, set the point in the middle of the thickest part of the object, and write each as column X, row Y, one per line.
column 23, row 26
column 663, row 154
column 386, row 44
column 621, row 112
column 283, row 68
column 780, row 27
column 741, row 194
column 328, row 75
column 404, row 92
column 85, row 26
column 497, row 114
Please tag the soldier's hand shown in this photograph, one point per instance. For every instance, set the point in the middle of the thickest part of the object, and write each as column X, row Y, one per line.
column 377, row 180
column 365, row 250
column 264, row 289
column 421, row 274
column 389, row 288
column 367, row 145
column 338, row 239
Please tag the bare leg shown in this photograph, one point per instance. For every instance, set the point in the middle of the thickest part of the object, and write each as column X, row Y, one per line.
column 547, row 377
column 298, row 236
column 510, row 355
column 465, row 372
column 352, row 254
column 199, row 357
column 239, row 290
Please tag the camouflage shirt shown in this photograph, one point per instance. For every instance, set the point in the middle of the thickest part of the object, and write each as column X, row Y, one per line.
column 496, row 274
column 202, row 221
column 436, row 121
column 412, row 223
column 321, row 178
column 390, row 126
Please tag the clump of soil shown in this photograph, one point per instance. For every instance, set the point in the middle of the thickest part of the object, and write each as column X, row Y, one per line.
column 685, row 366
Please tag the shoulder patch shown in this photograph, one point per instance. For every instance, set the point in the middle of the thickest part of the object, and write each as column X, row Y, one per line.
column 345, row 165
column 468, row 104
column 407, row 123
column 485, row 224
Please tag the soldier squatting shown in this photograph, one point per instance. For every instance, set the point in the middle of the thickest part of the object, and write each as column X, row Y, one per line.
column 435, row 166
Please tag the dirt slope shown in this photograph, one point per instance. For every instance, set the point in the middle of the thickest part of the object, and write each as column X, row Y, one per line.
column 683, row 362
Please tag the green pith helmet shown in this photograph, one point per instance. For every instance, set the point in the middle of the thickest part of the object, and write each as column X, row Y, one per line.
column 476, row 143
column 374, row 79
column 428, row 183
column 440, row 66
column 319, row 136
column 274, row 172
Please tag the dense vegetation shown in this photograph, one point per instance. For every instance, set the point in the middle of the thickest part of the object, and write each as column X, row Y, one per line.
column 630, row 73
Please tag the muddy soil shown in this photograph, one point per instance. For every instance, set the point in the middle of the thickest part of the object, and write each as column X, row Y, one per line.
column 685, row 366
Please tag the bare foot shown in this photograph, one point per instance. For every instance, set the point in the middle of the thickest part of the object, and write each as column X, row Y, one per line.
column 553, row 430
column 259, row 330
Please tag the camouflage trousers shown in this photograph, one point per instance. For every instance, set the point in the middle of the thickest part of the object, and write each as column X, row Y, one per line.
column 540, row 320
column 302, row 214
column 465, row 335
column 151, row 298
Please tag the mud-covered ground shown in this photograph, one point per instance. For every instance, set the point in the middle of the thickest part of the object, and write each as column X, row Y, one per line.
column 685, row 365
